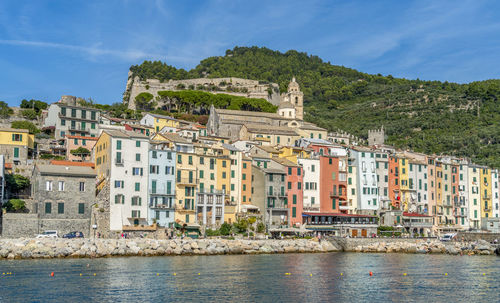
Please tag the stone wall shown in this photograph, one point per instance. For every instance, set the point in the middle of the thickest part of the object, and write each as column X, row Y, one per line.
column 467, row 236
column 79, row 248
column 16, row 225
column 19, row 225
column 255, row 89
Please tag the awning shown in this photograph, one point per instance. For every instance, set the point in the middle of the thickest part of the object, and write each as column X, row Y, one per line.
column 249, row 206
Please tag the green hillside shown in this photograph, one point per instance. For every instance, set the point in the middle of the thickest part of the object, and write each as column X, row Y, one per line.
column 427, row 116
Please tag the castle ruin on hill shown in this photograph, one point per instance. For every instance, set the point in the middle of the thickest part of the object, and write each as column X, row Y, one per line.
column 231, row 86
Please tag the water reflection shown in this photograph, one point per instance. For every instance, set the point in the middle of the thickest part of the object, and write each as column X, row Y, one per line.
column 259, row 278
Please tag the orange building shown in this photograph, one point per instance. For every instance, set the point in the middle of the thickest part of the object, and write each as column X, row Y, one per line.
column 394, row 181
column 74, row 142
column 332, row 192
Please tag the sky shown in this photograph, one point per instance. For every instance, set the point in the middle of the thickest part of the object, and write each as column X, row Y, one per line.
column 50, row 48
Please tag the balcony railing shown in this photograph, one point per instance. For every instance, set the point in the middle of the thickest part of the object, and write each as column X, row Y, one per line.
column 487, row 208
column 186, row 181
column 161, row 193
column 211, row 191
column 119, row 161
column 160, row 206
column 311, row 208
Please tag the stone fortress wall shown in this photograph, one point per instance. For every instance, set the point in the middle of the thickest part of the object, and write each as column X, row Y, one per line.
column 255, row 88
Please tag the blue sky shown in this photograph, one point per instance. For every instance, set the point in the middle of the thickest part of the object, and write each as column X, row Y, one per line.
column 85, row 48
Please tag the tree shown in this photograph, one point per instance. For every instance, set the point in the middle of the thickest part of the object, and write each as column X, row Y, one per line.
column 36, row 105
column 25, row 125
column 15, row 205
column 5, row 110
column 144, row 101
column 29, row 114
column 225, row 229
column 16, row 182
column 81, row 152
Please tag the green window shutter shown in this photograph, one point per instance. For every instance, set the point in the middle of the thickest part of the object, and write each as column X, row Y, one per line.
column 81, row 208
column 289, row 185
column 294, row 212
column 137, row 143
column 179, row 158
column 294, row 199
column 137, row 156
column 118, row 144
column 60, row 208
column 169, row 187
column 334, row 203
column 16, row 152
column 232, row 187
column 48, row 208
column 137, row 186
column 232, row 174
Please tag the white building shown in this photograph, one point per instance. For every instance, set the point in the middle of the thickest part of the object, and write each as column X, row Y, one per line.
column 367, row 191
column 474, row 197
column 463, row 191
column 494, row 193
column 311, row 181
column 122, row 159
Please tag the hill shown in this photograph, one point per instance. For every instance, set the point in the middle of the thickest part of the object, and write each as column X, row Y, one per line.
column 427, row 116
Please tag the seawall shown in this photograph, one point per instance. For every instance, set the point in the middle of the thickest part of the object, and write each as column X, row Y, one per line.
column 28, row 248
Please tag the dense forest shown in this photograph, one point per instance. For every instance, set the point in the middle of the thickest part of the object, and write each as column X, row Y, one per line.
column 426, row 116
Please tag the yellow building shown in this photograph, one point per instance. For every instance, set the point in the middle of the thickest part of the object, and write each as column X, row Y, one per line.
column 185, row 187
column 291, row 153
column 157, row 122
column 404, row 186
column 16, row 144
column 485, row 192
column 101, row 157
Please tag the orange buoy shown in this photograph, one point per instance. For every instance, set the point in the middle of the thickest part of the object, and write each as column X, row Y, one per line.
column 52, row 274
column 371, row 274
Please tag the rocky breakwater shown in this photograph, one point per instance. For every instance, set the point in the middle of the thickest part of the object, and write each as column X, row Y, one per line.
column 419, row 246
column 82, row 248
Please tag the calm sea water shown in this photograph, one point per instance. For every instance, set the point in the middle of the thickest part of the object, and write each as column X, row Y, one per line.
column 329, row 277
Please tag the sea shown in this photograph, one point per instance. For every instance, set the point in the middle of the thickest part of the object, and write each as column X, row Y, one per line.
column 326, row 277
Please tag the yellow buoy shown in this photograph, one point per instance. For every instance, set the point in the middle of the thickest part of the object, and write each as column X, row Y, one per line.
column 445, row 273
column 404, row 274
column 484, row 274
column 311, row 275
column 157, row 274
column 341, row 273
column 199, row 274
column 175, row 274
column 80, row 275
column 94, row 274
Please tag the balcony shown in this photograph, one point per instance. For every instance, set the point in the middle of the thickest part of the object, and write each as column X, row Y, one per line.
column 119, row 162
column 487, row 197
column 186, row 181
column 487, row 208
column 447, row 205
column 336, row 194
column 211, row 191
column 160, row 193
column 182, row 208
column 160, row 206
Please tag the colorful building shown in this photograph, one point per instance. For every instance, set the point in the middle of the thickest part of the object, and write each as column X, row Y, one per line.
column 16, row 145
column 75, row 142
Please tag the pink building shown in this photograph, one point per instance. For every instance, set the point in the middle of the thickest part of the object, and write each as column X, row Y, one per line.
column 74, row 142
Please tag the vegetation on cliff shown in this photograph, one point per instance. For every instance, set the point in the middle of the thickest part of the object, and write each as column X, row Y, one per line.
column 427, row 116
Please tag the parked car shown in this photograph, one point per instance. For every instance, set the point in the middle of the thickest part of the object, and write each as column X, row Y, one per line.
column 448, row 237
column 73, row 234
column 48, row 234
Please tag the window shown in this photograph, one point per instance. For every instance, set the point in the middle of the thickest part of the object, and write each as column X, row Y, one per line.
column 136, row 201
column 299, row 185
column 81, row 208
column 190, row 160
column 17, row 137
column 92, row 126
column 334, row 203
column 63, row 111
column 137, row 143
column 60, row 208
column 16, row 152
column 179, row 159
column 61, row 186
column 289, row 185
column 137, row 186
column 48, row 208
column 294, row 212
column 202, row 160
column 136, row 171
column 73, row 112
column 298, row 171
column 154, row 154
column 137, row 156
column 118, row 144
column 223, row 175
column 243, row 176
column 244, row 165
column 82, row 186
column 118, row 184
column 63, row 122
column 154, row 169
column 92, row 115
column 289, row 171
column 201, row 174
column 294, row 199
column 119, row 199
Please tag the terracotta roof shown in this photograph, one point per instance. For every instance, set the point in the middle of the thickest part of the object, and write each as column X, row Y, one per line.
column 82, row 137
column 174, row 138
column 71, row 163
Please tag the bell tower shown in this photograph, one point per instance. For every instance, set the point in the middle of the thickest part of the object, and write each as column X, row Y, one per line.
column 296, row 97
